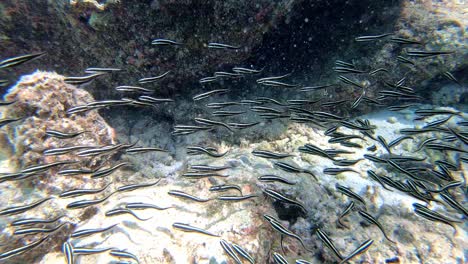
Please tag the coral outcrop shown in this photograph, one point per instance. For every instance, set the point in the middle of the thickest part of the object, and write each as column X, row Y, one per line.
column 41, row 100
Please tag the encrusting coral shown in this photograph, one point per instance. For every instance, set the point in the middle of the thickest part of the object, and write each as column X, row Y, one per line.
column 42, row 100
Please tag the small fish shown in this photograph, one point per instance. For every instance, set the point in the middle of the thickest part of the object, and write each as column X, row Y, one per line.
column 221, row 105
column 105, row 172
column 358, row 100
column 119, row 211
column 354, row 126
column 123, row 254
column 67, row 249
column 344, row 64
column 36, row 230
column 349, row 81
column 208, row 168
column 348, row 192
column 399, row 107
column 228, row 249
column 152, row 100
column 262, row 109
column 372, row 148
column 459, row 135
column 374, row 72
column 141, row 206
column 434, row 216
column 303, row 102
column 400, row 40
column 344, row 137
column 290, row 168
column 189, row 228
column 66, row 172
column 46, row 166
column 451, row 77
column 153, row 79
column 23, row 208
column 314, row 150
column 435, row 111
column 269, row 100
column 447, row 164
column 278, row 84
column 359, row 250
column 384, row 143
column 203, row 174
column 236, row 198
column 165, row 42
column 276, row 224
column 79, row 192
column 345, row 162
column 193, row 150
column 227, row 113
column 98, row 150
column 34, row 221
column 85, row 203
column 328, row 242
column 333, row 103
column 377, row 178
column 405, row 60
column 341, row 69
column 269, row 155
column 438, row 122
column 428, row 53
column 89, row 251
column 279, row 259
column 227, row 74
column 6, row 121
column 302, row 261
column 242, row 125
column 5, row 103
column 20, row 250
column 282, row 198
column 246, row 70
column 63, row 135
column 243, row 253
column 15, row 61
column 214, row 45
column 188, row 196
column 133, row 89
column 89, row 232
column 212, row 122
column 315, row 88
column 372, row 220
column 346, row 211
column 225, row 187
column 132, row 187
column 136, row 150
column 208, row 79
column 372, row 37
column 444, row 147
column 83, row 79
column 96, row 69
column 210, row 93
column 274, row 178
column 445, row 195
column 336, row 171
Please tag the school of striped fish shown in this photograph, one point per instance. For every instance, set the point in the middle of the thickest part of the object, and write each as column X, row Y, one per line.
column 429, row 183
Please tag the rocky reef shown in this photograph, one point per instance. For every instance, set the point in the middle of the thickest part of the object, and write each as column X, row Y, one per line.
column 41, row 100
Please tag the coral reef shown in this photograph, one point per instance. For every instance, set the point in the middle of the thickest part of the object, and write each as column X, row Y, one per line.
column 41, row 100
